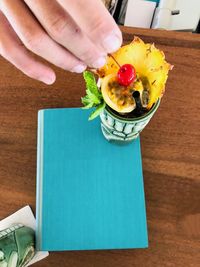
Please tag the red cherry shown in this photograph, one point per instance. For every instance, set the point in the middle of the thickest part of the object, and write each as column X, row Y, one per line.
column 126, row 74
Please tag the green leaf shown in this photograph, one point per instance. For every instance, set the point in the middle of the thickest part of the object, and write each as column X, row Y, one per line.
column 91, row 84
column 93, row 98
column 97, row 111
column 88, row 106
column 85, row 100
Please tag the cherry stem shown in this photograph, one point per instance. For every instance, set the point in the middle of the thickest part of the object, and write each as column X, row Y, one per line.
column 114, row 60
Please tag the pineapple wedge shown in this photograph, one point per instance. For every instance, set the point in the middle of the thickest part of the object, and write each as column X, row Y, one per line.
column 149, row 62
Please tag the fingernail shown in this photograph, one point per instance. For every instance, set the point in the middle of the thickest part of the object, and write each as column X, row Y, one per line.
column 99, row 62
column 111, row 43
column 48, row 80
column 79, row 68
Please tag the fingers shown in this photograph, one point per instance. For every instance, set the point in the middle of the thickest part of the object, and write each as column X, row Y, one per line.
column 36, row 39
column 50, row 29
column 96, row 22
column 62, row 28
column 12, row 49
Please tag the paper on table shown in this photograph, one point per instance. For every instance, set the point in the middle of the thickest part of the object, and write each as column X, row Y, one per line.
column 24, row 216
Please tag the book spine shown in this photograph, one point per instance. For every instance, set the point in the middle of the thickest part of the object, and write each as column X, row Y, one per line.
column 144, row 210
column 39, row 183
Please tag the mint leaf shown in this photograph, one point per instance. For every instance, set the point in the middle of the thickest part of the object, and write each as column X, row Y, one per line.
column 88, row 106
column 91, row 84
column 97, row 111
column 93, row 98
column 85, row 100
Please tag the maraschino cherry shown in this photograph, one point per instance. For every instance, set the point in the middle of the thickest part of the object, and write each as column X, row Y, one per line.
column 126, row 74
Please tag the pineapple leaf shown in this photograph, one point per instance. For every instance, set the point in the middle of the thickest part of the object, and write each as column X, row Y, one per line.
column 97, row 111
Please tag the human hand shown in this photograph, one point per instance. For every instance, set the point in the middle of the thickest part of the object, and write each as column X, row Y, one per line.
column 70, row 34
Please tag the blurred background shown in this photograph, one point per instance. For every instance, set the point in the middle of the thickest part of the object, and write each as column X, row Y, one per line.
column 179, row 15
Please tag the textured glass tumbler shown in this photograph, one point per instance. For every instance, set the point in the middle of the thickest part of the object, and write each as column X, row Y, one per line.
column 117, row 128
column 17, row 246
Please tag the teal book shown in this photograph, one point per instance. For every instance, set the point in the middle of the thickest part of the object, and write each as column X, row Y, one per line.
column 90, row 192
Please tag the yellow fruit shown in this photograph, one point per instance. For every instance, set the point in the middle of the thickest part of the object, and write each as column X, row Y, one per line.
column 150, row 64
column 120, row 97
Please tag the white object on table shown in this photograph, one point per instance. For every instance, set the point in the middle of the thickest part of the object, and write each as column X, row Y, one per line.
column 177, row 15
column 139, row 13
column 24, row 216
column 163, row 14
column 189, row 16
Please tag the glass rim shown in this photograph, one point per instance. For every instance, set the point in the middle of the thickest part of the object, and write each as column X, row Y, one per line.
column 144, row 117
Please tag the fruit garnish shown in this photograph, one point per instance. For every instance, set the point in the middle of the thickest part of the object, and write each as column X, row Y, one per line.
column 116, row 96
column 126, row 74
column 149, row 63
column 131, row 81
column 119, row 97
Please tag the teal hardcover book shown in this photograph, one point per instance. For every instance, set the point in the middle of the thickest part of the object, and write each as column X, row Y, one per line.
column 90, row 192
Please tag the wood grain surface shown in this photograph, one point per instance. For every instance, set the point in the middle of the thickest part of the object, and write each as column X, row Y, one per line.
column 170, row 151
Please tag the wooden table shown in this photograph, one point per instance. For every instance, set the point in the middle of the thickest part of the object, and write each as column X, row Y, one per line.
column 170, row 149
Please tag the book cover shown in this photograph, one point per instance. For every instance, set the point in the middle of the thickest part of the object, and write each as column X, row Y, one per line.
column 90, row 192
